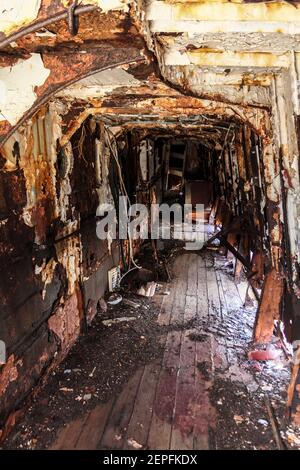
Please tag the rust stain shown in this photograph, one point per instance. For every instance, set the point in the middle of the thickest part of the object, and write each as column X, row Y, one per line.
column 65, row 322
column 9, row 373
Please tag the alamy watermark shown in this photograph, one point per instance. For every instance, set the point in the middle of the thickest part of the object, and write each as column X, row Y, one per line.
column 160, row 221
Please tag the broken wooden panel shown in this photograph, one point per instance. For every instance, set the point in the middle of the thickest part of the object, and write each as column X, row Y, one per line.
column 269, row 308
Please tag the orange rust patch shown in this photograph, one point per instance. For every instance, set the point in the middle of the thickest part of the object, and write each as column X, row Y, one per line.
column 65, row 322
column 9, row 373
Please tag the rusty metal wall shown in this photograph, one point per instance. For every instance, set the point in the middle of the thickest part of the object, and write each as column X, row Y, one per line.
column 53, row 266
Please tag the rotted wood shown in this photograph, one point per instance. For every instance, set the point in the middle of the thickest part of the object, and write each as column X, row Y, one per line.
column 235, row 252
column 293, row 395
column 244, row 262
column 233, row 226
column 225, row 223
column 232, row 239
column 258, row 267
column 244, row 250
column 269, row 307
column 274, row 424
column 220, row 213
column 213, row 212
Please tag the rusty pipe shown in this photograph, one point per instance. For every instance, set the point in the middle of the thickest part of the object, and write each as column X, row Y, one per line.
column 36, row 26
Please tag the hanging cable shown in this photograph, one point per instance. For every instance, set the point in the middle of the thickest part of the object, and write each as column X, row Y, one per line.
column 114, row 152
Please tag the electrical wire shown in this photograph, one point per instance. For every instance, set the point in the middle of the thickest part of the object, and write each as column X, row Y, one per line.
column 114, row 153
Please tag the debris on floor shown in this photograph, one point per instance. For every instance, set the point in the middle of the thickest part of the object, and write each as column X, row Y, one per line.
column 264, row 355
column 114, row 299
column 218, row 330
column 117, row 320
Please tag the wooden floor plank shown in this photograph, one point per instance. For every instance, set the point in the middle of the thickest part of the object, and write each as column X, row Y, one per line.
column 204, row 413
column 223, row 305
column 138, row 428
column 116, row 428
column 202, row 301
column 166, row 404
column 179, row 294
column 68, row 436
column 204, row 375
column 172, row 349
column 190, row 312
column 231, row 293
column 163, row 408
column 165, row 310
column 192, row 274
column 94, row 427
column 187, row 350
column 183, row 421
column 214, row 306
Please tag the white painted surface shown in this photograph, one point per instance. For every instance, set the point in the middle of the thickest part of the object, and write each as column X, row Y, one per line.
column 16, row 13
column 173, row 57
column 17, row 86
column 100, row 84
column 106, row 5
column 199, row 27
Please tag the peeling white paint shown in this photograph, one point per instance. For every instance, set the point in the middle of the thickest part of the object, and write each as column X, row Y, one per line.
column 199, row 27
column 65, row 185
column 46, row 270
column 100, row 84
column 69, row 254
column 17, row 86
column 105, row 5
column 173, row 57
column 17, row 13
column 224, row 11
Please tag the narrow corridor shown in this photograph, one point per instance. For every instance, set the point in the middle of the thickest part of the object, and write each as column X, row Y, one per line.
column 121, row 121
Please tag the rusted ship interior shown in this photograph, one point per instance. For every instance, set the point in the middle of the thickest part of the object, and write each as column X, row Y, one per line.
column 163, row 101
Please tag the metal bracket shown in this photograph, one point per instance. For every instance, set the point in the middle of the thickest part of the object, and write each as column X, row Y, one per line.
column 73, row 20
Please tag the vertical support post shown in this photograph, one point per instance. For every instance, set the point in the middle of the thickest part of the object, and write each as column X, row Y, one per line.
column 269, row 307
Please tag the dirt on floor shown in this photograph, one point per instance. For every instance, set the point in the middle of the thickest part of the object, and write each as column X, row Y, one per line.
column 104, row 359
column 97, row 367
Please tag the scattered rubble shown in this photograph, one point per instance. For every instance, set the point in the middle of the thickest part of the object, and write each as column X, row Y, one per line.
column 114, row 299
column 134, row 444
column 87, row 396
column 130, row 303
column 102, row 305
column 238, row 419
column 263, row 422
column 117, row 320
column 109, row 356
column 267, row 355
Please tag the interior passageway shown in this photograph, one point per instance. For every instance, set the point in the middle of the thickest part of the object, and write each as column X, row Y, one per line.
column 137, row 341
